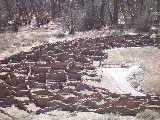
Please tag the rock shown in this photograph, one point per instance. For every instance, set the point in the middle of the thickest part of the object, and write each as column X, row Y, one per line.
column 153, row 36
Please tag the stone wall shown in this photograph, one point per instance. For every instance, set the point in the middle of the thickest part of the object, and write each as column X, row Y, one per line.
column 50, row 76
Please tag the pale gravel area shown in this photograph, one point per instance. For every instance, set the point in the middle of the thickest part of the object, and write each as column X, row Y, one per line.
column 120, row 77
column 106, row 81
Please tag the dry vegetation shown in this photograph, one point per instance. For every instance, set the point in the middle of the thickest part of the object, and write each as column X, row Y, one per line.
column 148, row 115
column 147, row 59
column 144, row 115
column 60, row 115
column 11, row 43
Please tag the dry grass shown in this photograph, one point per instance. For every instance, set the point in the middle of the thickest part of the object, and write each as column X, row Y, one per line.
column 148, row 115
column 61, row 115
column 11, row 43
column 145, row 115
column 147, row 59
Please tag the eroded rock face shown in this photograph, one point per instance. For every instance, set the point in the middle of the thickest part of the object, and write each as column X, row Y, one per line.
column 50, row 77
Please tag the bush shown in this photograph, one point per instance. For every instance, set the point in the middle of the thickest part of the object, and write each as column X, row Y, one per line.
column 142, row 24
column 60, row 35
column 148, row 115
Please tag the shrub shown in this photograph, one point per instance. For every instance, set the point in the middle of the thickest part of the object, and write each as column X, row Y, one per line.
column 142, row 24
column 60, row 35
column 148, row 115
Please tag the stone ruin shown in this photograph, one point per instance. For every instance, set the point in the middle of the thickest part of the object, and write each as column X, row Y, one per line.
column 49, row 78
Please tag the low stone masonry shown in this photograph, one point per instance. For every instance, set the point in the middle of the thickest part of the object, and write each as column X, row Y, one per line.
column 50, row 78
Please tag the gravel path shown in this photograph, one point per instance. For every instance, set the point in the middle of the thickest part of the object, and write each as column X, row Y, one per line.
column 106, row 81
column 120, row 77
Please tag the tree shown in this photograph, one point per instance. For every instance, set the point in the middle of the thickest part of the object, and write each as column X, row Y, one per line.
column 158, row 11
column 71, row 6
column 53, row 8
column 102, row 11
column 80, row 14
column 0, row 16
column 115, row 12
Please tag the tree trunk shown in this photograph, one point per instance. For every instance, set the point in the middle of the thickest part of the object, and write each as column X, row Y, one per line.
column 18, row 21
column 110, row 16
column 0, row 17
column 91, row 16
column 130, row 12
column 53, row 8
column 9, row 12
column 102, row 12
column 35, row 12
column 123, row 9
column 158, row 11
column 71, row 29
column 115, row 12
column 26, row 14
column 141, row 6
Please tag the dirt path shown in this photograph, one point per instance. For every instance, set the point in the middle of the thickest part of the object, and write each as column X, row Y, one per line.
column 120, row 77
column 106, row 81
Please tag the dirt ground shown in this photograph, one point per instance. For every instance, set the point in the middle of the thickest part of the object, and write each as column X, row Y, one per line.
column 148, row 80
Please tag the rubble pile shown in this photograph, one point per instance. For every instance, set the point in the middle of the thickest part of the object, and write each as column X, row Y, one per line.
column 49, row 78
